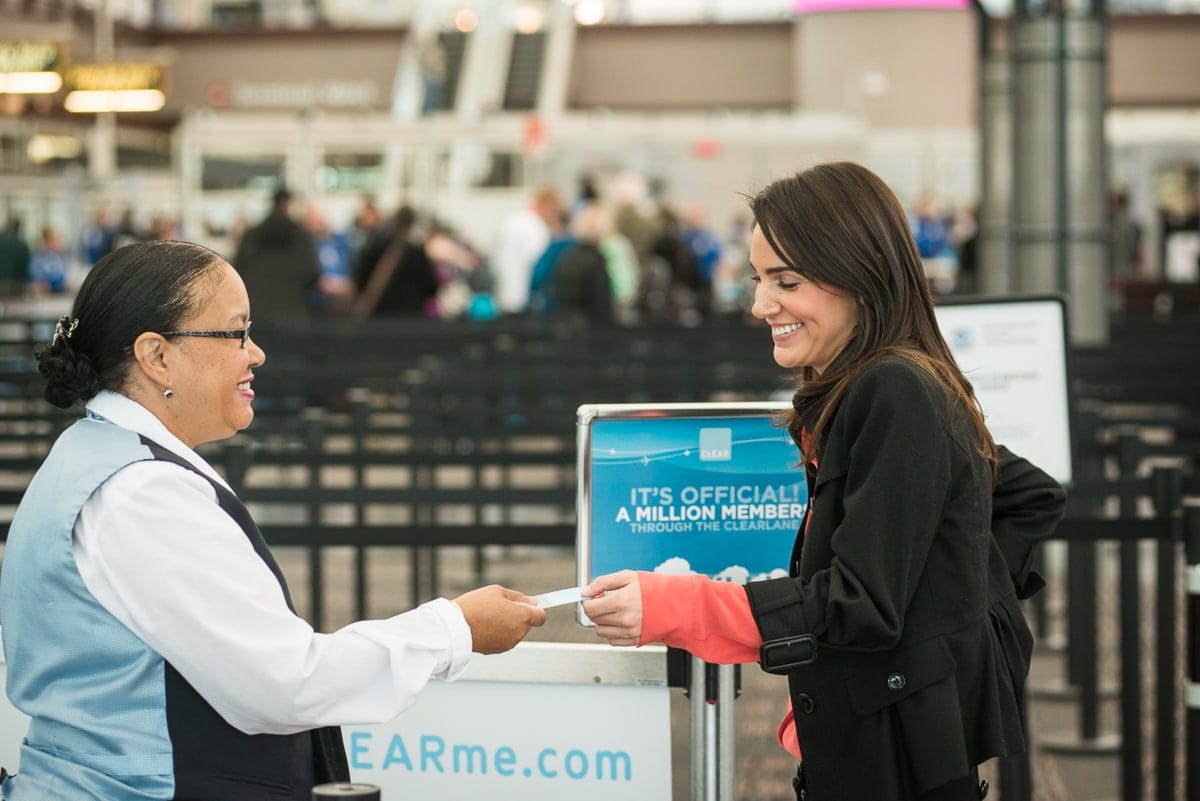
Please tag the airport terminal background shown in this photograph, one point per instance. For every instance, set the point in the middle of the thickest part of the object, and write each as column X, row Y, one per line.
column 1040, row 148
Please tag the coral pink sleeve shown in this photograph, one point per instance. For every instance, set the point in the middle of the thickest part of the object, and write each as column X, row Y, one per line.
column 786, row 734
column 710, row 619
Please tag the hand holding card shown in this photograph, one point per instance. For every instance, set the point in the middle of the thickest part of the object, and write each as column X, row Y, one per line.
column 570, row 595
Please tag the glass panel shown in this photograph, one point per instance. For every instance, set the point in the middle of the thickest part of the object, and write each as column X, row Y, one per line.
column 264, row 173
column 350, row 172
column 476, row 167
column 504, row 169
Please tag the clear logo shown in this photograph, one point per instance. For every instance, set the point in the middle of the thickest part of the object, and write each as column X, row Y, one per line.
column 716, row 444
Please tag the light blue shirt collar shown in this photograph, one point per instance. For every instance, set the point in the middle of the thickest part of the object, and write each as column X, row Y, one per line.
column 128, row 413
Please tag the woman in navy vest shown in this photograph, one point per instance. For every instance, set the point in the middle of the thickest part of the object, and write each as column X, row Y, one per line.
column 148, row 631
column 899, row 629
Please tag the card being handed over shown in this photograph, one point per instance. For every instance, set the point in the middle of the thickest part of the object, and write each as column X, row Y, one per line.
column 571, row 595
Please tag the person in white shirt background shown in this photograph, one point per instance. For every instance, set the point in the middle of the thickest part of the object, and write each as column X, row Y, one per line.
column 523, row 236
column 148, row 631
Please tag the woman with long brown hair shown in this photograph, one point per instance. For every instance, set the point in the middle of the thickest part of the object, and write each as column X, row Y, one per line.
column 899, row 628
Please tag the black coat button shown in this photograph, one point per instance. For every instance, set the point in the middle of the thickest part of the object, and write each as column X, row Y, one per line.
column 805, row 703
column 896, row 681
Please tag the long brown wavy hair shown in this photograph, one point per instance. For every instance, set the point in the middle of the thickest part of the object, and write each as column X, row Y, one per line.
column 840, row 225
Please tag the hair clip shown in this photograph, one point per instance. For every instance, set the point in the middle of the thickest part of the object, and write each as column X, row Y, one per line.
column 63, row 329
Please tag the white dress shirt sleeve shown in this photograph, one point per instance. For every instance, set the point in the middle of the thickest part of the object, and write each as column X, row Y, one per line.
column 156, row 551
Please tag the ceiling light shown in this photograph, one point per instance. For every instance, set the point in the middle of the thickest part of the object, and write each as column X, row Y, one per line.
column 589, row 12
column 528, row 19
column 465, row 20
column 30, row 83
column 83, row 101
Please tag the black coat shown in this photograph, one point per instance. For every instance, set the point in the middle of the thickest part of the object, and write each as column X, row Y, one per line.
column 907, row 578
column 582, row 286
column 413, row 281
column 277, row 260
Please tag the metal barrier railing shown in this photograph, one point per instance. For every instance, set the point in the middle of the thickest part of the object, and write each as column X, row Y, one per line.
column 1116, row 500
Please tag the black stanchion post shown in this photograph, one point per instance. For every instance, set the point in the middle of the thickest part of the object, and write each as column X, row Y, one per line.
column 423, row 480
column 359, row 400
column 1191, row 532
column 237, row 463
column 1168, row 484
column 1132, row 779
column 1081, row 638
column 479, row 559
column 1081, row 647
column 313, row 420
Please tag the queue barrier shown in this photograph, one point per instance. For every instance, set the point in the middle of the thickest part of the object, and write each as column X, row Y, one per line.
column 450, row 405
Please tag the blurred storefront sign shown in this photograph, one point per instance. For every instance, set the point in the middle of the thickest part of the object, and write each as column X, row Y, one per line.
column 43, row 148
column 285, row 73
column 115, row 86
column 31, row 67
column 292, row 94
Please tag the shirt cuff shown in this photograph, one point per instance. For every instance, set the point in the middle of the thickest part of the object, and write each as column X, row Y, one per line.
column 665, row 610
column 458, row 641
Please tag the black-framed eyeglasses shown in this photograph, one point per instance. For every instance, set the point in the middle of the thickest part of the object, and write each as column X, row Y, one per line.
column 233, row 333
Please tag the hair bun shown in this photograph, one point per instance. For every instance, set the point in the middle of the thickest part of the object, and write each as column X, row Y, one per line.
column 69, row 375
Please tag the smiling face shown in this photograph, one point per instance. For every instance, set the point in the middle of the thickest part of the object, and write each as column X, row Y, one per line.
column 210, row 378
column 810, row 323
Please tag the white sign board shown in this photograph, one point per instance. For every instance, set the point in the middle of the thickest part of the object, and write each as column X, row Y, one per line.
column 1014, row 354
column 543, row 722
column 537, row 742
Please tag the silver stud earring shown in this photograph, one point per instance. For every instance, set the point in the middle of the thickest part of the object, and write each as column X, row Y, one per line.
column 167, row 393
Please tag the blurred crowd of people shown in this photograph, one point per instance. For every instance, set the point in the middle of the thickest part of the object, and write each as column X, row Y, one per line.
column 601, row 260
column 48, row 264
column 618, row 257
column 405, row 263
column 612, row 255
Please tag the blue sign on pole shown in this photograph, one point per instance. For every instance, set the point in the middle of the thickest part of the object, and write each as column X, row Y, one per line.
column 688, row 488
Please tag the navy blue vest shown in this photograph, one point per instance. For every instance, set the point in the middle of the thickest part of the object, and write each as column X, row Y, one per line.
column 213, row 760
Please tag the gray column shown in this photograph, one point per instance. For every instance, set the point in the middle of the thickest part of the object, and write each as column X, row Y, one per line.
column 188, row 164
column 560, row 45
column 485, row 63
column 1059, row 157
column 996, row 185
column 1088, row 242
column 102, row 143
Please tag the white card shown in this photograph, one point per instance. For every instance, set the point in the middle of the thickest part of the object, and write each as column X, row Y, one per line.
column 570, row 595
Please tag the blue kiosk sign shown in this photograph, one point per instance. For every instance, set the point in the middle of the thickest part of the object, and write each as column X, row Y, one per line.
column 706, row 488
